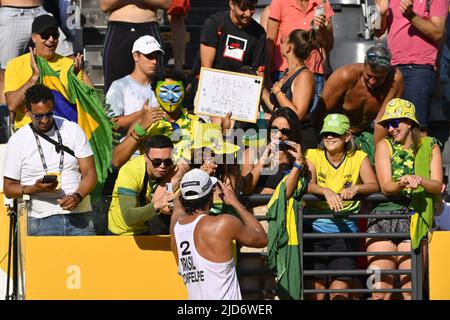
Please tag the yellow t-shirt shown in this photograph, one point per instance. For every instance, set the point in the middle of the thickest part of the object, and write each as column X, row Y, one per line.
column 336, row 179
column 187, row 123
column 18, row 72
column 129, row 182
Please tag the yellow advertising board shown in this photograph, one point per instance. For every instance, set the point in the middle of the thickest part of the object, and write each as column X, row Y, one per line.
column 97, row 267
column 439, row 265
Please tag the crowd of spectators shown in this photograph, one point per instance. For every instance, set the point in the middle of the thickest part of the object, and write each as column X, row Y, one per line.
column 355, row 131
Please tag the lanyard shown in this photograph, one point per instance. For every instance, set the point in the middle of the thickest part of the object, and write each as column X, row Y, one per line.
column 41, row 152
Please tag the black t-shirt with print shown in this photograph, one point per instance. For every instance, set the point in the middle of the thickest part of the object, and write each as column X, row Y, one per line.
column 235, row 47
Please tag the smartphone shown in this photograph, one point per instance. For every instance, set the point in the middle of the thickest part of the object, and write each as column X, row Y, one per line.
column 169, row 189
column 284, row 146
column 49, row 178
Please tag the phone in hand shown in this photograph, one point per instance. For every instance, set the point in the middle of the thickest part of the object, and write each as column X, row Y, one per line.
column 284, row 146
column 49, row 178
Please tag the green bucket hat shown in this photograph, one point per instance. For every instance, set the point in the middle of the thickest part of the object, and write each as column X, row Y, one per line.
column 336, row 123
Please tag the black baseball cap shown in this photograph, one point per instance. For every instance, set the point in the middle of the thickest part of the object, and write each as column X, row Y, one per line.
column 42, row 23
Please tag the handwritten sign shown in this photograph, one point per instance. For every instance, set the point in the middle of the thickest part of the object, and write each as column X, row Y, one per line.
column 220, row 92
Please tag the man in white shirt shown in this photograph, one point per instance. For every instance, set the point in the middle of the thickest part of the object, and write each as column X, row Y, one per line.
column 127, row 96
column 60, row 202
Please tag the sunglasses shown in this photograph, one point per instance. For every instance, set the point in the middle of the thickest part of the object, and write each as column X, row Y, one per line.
column 284, row 131
column 394, row 123
column 377, row 61
column 332, row 134
column 157, row 162
column 47, row 34
column 40, row 116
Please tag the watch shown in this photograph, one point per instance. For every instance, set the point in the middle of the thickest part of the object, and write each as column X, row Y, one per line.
column 78, row 195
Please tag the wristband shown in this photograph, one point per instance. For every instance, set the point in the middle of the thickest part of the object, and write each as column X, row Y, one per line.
column 299, row 166
column 139, row 130
column 278, row 92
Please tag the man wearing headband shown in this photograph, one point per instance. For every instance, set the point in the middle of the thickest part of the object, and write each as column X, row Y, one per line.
column 361, row 92
column 203, row 244
column 414, row 34
column 173, row 122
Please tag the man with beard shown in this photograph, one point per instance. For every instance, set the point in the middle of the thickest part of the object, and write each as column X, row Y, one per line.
column 51, row 161
column 361, row 92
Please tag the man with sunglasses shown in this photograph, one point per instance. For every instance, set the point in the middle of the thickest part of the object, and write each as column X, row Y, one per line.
column 361, row 92
column 23, row 72
column 140, row 203
column 51, row 161
column 414, row 33
column 16, row 18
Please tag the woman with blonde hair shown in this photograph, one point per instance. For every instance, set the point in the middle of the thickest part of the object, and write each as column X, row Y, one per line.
column 409, row 164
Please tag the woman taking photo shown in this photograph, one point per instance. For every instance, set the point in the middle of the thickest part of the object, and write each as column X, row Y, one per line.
column 411, row 165
column 282, row 152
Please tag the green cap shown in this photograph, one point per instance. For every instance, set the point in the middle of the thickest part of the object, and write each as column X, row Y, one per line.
column 335, row 122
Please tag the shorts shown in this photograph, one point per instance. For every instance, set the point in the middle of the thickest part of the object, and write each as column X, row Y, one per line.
column 179, row 7
column 330, row 263
column 118, row 60
column 390, row 225
column 15, row 33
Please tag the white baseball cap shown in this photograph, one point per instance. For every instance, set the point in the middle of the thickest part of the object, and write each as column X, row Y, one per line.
column 146, row 45
column 197, row 183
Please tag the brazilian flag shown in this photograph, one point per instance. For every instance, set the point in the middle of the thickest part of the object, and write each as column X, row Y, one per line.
column 283, row 247
column 81, row 104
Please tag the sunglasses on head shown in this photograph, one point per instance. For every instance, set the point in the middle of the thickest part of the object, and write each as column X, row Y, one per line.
column 394, row 123
column 284, row 131
column 332, row 134
column 49, row 33
column 377, row 61
column 40, row 116
column 157, row 162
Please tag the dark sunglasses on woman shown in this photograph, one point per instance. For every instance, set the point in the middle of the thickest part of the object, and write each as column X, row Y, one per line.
column 394, row 123
column 284, row 131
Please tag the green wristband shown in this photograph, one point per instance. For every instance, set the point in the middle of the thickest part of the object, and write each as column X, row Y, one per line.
column 139, row 130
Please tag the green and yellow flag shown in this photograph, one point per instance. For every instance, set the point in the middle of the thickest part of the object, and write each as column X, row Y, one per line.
column 81, row 104
column 422, row 201
column 283, row 247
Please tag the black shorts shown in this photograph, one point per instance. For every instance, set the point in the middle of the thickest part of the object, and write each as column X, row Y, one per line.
column 330, row 263
column 117, row 57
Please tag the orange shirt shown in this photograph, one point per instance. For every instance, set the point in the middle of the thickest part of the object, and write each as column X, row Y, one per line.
column 292, row 17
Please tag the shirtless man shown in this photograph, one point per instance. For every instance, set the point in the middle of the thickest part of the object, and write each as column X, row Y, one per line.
column 128, row 20
column 361, row 92
column 203, row 244
column 16, row 17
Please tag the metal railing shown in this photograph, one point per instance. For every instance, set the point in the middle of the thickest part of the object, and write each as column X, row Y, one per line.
column 416, row 256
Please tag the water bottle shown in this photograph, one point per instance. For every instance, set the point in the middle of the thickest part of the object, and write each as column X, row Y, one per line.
column 320, row 10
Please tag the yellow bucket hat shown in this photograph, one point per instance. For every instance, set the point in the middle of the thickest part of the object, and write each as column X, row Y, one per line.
column 399, row 109
column 209, row 135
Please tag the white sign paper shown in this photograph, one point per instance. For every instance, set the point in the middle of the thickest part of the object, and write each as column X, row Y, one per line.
column 220, row 92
